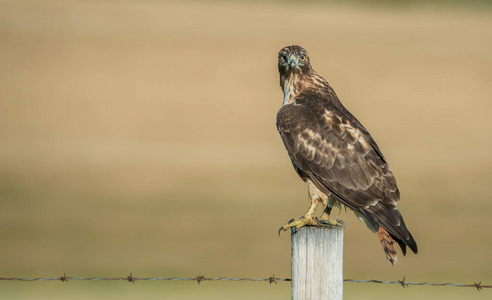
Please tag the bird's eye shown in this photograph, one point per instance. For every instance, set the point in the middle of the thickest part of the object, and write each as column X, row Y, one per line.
column 283, row 58
column 302, row 58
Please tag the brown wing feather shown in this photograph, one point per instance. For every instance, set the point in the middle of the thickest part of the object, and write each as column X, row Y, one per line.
column 330, row 146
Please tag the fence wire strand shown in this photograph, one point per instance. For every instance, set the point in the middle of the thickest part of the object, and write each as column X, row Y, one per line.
column 272, row 279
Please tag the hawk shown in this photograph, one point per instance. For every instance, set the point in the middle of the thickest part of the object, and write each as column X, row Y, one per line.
column 336, row 156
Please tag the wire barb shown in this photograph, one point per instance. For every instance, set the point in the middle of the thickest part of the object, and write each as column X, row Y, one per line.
column 199, row 278
column 273, row 279
column 478, row 286
column 64, row 278
column 402, row 282
column 130, row 278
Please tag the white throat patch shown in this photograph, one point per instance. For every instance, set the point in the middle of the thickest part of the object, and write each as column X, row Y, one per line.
column 289, row 90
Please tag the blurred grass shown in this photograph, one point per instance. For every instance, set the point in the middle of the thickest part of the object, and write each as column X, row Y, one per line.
column 427, row 4
column 139, row 137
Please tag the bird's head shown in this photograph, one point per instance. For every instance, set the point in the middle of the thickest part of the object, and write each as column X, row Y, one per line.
column 293, row 59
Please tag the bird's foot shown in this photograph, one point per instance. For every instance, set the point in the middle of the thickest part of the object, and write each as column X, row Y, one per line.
column 332, row 223
column 306, row 220
column 325, row 220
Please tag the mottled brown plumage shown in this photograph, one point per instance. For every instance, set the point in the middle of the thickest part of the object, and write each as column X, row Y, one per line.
column 329, row 147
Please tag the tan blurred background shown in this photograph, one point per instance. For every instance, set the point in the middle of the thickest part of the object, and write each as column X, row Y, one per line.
column 139, row 136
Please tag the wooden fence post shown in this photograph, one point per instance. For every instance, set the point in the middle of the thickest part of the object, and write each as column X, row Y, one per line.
column 317, row 263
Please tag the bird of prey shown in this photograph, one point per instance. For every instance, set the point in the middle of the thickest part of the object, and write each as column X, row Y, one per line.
column 336, row 156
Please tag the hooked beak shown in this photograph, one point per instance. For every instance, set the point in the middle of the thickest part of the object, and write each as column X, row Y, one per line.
column 293, row 61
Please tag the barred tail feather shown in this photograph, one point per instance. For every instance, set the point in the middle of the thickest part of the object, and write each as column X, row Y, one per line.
column 388, row 244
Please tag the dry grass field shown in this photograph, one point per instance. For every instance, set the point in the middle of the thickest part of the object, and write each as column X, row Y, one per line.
column 139, row 136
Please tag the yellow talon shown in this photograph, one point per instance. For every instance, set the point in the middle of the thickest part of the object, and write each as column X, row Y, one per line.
column 306, row 220
column 326, row 220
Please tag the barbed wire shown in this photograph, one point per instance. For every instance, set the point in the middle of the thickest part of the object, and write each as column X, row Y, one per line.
column 272, row 279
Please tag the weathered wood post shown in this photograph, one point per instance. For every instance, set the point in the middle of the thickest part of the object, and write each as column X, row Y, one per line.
column 317, row 263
